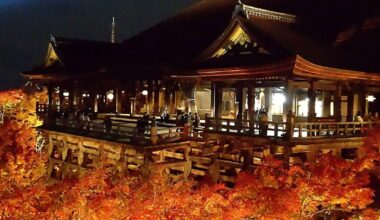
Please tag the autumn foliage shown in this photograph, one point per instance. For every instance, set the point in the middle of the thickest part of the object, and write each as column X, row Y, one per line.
column 331, row 188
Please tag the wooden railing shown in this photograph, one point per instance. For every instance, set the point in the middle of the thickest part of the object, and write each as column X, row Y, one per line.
column 331, row 129
column 271, row 129
column 153, row 134
column 300, row 130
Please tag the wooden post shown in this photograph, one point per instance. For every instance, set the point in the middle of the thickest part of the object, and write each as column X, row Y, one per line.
column 122, row 162
column 362, row 100
column 239, row 117
column 350, row 106
column 290, row 125
column 61, row 99
column 71, row 96
column 75, row 94
column 312, row 96
column 153, row 133
column 214, row 168
column 64, row 149
column 132, row 98
column 193, row 107
column 156, row 107
column 338, row 102
column 186, row 131
column 173, row 106
column 94, row 101
column 251, row 103
column 168, row 98
column 149, row 97
column 289, row 92
column 118, row 100
column 239, row 97
column 326, row 103
column 218, row 102
column 268, row 100
column 248, row 158
column 188, row 163
column 251, row 107
column 213, row 94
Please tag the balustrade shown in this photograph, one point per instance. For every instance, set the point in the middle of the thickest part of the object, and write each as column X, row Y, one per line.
column 121, row 130
column 299, row 130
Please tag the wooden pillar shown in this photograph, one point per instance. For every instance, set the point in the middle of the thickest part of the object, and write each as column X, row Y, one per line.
column 268, row 100
column 50, row 97
column 132, row 98
column 326, row 103
column 362, row 100
column 312, row 95
column 149, row 97
column 251, row 102
column 289, row 92
column 214, row 168
column 118, row 100
column 71, row 96
column 193, row 107
column 156, row 97
column 239, row 97
column 218, row 101
column 173, row 106
column 125, row 101
column 94, row 101
column 168, row 97
column 189, row 90
column 61, row 99
column 75, row 95
column 213, row 94
column 350, row 106
column 338, row 102
column 245, row 103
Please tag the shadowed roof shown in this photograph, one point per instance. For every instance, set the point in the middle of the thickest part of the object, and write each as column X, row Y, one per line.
column 177, row 41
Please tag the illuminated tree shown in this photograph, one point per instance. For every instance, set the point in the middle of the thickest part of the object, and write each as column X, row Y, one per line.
column 330, row 187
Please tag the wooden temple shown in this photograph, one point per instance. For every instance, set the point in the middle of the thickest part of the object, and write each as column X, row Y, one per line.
column 230, row 62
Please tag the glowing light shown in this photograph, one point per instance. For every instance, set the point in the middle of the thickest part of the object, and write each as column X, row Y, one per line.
column 110, row 96
column 66, row 94
column 371, row 98
column 279, row 98
column 144, row 92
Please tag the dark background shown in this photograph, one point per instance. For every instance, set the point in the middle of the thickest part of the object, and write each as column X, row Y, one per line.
column 26, row 25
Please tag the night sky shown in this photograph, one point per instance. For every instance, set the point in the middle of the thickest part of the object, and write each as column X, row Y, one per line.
column 25, row 26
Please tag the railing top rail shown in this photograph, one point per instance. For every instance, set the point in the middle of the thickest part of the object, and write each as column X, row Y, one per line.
column 243, row 121
column 337, row 123
column 116, row 127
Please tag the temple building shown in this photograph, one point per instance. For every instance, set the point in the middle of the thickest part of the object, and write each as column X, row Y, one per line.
column 311, row 69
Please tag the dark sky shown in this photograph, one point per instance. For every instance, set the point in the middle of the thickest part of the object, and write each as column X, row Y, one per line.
column 25, row 26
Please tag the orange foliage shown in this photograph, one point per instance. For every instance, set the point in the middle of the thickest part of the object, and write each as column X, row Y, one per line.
column 330, row 187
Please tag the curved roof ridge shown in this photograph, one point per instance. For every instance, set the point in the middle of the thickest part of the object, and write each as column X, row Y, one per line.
column 262, row 13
